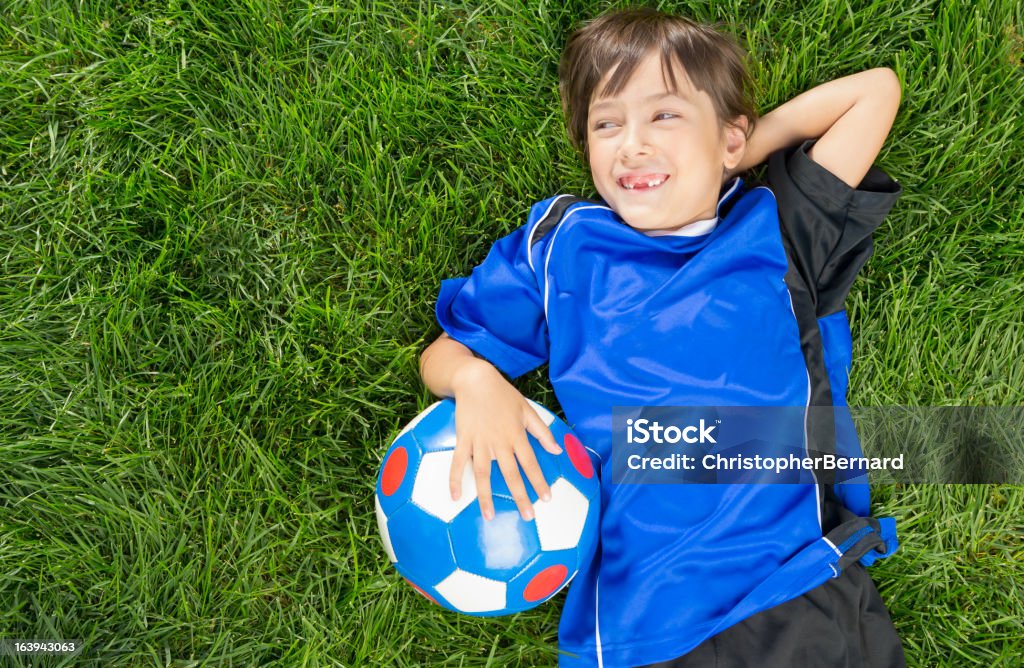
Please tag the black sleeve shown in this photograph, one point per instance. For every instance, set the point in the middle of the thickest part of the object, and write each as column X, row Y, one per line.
column 826, row 223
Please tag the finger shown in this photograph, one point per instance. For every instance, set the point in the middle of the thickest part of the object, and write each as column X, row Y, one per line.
column 509, row 469
column 528, row 461
column 458, row 470
column 540, row 431
column 482, row 473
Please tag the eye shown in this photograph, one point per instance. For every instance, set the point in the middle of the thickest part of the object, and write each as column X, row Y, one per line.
column 665, row 115
column 603, row 125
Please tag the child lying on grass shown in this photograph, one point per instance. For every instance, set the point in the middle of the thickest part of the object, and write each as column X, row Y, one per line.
column 684, row 286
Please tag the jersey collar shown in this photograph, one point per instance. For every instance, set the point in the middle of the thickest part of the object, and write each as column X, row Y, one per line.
column 700, row 227
column 694, row 229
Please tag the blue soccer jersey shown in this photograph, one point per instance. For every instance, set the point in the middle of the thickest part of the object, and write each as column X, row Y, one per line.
column 748, row 314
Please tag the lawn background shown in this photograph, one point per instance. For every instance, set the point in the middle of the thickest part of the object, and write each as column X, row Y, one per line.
column 222, row 229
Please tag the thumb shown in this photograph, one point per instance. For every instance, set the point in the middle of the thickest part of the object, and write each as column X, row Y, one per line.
column 539, row 430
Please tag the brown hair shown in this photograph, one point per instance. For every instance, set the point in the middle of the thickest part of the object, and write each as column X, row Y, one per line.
column 714, row 63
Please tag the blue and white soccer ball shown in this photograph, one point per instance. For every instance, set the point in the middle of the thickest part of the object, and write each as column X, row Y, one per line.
column 454, row 557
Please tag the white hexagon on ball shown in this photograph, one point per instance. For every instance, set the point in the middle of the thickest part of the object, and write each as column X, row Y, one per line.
column 472, row 593
column 430, row 491
column 560, row 521
column 544, row 413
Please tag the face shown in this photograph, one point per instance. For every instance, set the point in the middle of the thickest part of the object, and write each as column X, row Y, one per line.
column 658, row 157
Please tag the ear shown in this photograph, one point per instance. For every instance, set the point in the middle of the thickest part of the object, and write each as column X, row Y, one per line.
column 735, row 142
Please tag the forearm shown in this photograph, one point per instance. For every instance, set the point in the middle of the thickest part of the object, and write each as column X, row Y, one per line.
column 447, row 366
column 860, row 107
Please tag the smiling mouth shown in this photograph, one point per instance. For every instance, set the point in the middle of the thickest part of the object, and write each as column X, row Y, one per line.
column 645, row 182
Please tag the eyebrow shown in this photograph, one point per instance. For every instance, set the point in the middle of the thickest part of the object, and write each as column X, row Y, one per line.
column 655, row 97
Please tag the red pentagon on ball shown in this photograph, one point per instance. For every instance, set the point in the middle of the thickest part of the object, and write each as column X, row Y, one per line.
column 578, row 456
column 544, row 583
column 394, row 471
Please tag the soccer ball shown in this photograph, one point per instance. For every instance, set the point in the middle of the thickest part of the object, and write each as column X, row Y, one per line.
column 454, row 557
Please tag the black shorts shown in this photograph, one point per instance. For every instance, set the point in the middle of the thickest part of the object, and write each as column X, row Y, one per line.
column 840, row 624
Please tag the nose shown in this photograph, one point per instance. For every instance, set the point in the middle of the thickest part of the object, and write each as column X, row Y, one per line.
column 635, row 142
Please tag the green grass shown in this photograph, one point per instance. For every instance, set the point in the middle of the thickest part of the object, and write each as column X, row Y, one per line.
column 223, row 229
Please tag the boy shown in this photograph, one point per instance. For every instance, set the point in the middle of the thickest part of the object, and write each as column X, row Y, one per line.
column 685, row 288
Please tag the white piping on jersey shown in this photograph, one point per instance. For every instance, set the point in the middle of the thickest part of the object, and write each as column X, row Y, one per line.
column 731, row 190
column 807, row 406
column 547, row 259
column 529, row 239
column 832, row 545
column 551, row 246
column 597, row 626
column 807, row 451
